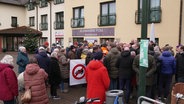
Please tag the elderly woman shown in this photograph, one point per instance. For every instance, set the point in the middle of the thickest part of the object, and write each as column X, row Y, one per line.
column 54, row 75
column 64, row 68
column 8, row 81
column 22, row 59
column 34, row 78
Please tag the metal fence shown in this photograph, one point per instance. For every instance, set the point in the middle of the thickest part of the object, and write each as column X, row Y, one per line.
column 146, row 100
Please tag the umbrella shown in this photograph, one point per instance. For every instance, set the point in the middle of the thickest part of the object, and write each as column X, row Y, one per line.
column 152, row 33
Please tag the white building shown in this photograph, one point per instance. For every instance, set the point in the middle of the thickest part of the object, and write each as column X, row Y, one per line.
column 65, row 21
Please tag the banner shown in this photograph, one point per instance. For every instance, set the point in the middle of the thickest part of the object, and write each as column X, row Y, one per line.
column 77, row 71
column 143, row 53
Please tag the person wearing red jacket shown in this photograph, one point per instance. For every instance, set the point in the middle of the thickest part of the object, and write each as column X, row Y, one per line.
column 8, row 81
column 97, row 78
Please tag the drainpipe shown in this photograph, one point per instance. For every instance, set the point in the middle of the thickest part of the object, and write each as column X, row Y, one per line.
column 180, row 22
column 50, row 22
column 36, row 17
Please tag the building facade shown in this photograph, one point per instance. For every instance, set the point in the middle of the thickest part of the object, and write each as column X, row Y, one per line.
column 67, row 21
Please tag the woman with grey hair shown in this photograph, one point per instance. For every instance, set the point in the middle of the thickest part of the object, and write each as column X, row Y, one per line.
column 54, row 75
column 8, row 81
column 22, row 59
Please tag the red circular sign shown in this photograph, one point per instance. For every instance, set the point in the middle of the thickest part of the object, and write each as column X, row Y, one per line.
column 78, row 71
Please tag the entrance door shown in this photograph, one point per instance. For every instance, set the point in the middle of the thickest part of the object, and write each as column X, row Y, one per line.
column 9, row 44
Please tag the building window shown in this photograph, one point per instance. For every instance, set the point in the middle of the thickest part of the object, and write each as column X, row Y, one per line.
column 14, row 22
column 78, row 17
column 58, row 1
column 30, row 6
column 44, row 23
column 154, row 12
column 31, row 21
column 108, row 14
column 59, row 23
column 43, row 3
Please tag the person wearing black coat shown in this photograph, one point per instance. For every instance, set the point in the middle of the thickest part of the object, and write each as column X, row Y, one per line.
column 180, row 65
column 43, row 59
column 124, row 65
column 54, row 75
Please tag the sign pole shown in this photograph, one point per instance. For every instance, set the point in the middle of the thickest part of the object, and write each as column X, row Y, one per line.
column 142, row 69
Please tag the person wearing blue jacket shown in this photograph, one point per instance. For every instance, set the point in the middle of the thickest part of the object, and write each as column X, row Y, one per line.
column 22, row 59
column 168, row 68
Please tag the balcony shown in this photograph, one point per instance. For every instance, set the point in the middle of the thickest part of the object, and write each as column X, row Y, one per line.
column 107, row 20
column 43, row 26
column 31, row 24
column 30, row 6
column 43, row 4
column 58, row 25
column 58, row 1
column 77, row 22
column 154, row 16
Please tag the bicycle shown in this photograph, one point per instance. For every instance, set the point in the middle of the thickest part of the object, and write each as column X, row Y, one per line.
column 84, row 100
column 179, row 96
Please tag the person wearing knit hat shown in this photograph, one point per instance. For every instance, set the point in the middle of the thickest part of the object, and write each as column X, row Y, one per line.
column 72, row 52
column 98, row 55
column 46, row 44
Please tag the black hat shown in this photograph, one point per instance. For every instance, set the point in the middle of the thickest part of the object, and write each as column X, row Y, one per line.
column 72, row 47
column 98, row 55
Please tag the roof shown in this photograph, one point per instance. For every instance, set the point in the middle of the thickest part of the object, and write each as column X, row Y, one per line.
column 15, row 2
column 20, row 31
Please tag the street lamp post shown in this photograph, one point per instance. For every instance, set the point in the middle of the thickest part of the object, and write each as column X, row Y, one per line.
column 142, row 70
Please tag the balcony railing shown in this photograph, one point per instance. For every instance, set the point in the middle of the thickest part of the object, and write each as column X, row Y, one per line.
column 43, row 26
column 31, row 24
column 58, row 25
column 105, row 20
column 77, row 22
column 43, row 4
column 154, row 16
column 58, row 1
column 30, row 6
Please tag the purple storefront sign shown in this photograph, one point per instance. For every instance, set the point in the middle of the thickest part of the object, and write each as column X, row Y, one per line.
column 94, row 32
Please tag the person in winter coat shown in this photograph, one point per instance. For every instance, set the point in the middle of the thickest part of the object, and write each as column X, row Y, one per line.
column 84, row 53
column 20, row 79
column 22, row 59
column 72, row 52
column 64, row 69
column 97, row 78
column 124, row 65
column 34, row 78
column 168, row 68
column 43, row 59
column 149, row 73
column 54, row 75
column 90, row 55
column 8, row 81
column 180, row 65
column 110, row 63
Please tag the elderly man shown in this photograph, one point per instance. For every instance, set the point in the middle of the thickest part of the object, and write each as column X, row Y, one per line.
column 43, row 59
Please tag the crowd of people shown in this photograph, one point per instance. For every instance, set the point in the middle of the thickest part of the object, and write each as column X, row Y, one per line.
column 109, row 66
